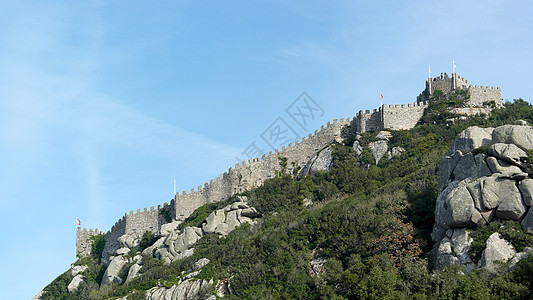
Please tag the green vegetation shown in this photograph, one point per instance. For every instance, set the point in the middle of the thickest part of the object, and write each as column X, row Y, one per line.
column 147, row 240
column 283, row 165
column 166, row 214
column 97, row 246
column 438, row 112
column 371, row 223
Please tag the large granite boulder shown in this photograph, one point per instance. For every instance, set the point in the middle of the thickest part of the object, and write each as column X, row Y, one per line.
column 453, row 249
column 455, row 207
column 497, row 251
column 112, row 271
column 133, row 272
column 357, row 148
column 527, row 222
column 476, row 186
column 75, row 283
column 379, row 149
column 213, row 220
column 75, row 270
column 322, row 161
column 521, row 136
column 185, row 240
column 508, row 152
column 526, row 189
column 128, row 241
column 384, row 135
column 169, row 227
column 471, row 138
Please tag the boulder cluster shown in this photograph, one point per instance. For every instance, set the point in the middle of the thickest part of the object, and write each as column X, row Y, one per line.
column 485, row 174
column 173, row 244
column 189, row 287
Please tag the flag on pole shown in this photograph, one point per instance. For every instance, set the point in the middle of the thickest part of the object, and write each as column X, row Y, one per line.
column 429, row 71
column 380, row 96
column 78, row 222
column 453, row 62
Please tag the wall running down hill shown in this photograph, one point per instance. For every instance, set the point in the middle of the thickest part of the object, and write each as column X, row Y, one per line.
column 252, row 173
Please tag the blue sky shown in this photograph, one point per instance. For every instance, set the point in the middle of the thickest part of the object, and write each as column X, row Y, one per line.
column 104, row 103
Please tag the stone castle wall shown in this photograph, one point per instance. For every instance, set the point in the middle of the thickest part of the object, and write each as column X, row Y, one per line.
column 132, row 223
column 244, row 176
column 400, row 117
column 252, row 173
column 481, row 94
column 83, row 243
column 368, row 121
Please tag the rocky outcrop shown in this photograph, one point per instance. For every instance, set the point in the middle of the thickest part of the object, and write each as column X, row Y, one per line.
column 111, row 273
column 188, row 287
column 133, row 272
column 173, row 245
column 128, row 241
column 75, row 270
column 379, row 149
column 75, row 283
column 483, row 175
column 453, row 249
column 497, row 251
column 177, row 245
column 322, row 161
column 357, row 148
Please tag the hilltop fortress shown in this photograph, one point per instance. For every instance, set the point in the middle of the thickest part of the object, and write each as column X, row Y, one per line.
column 252, row 173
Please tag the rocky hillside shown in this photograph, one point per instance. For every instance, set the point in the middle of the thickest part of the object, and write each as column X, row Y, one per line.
column 485, row 176
column 439, row 211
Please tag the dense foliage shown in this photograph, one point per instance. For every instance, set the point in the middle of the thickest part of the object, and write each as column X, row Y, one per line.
column 370, row 223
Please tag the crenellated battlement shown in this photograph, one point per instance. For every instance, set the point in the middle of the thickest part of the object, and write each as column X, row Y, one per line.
column 486, row 87
column 478, row 94
column 83, row 240
column 402, row 106
column 253, row 172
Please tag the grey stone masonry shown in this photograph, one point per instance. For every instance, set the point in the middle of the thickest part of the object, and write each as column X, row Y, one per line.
column 400, row 117
column 83, row 243
column 478, row 94
column 252, row 173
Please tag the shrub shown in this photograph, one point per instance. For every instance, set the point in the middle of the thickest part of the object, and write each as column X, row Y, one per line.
column 147, row 240
column 166, row 214
column 97, row 246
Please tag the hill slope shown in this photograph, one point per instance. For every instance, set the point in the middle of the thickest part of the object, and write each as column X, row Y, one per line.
column 356, row 231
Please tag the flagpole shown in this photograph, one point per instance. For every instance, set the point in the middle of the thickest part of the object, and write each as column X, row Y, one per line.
column 381, row 107
column 429, row 79
column 453, row 75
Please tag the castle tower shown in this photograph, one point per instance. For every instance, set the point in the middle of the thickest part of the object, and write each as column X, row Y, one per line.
column 478, row 94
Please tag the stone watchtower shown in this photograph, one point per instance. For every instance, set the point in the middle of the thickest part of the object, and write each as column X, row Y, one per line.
column 479, row 95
